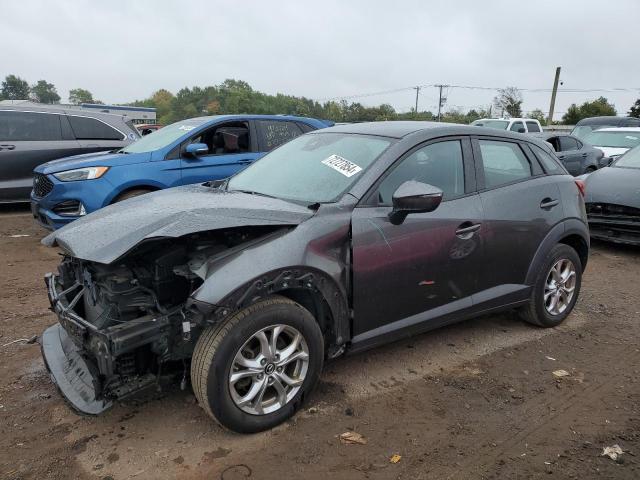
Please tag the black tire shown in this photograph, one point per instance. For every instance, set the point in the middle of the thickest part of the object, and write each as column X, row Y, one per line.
column 535, row 312
column 131, row 193
column 216, row 349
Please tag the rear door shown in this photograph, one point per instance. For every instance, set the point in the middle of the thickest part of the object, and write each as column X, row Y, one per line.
column 431, row 261
column 570, row 154
column 29, row 139
column 232, row 146
column 521, row 204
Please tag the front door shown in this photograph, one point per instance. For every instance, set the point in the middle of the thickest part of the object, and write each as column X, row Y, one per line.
column 430, row 261
column 231, row 148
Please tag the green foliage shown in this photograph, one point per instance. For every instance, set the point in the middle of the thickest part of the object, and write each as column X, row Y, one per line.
column 597, row 108
column 80, row 95
column 15, row 88
column 44, row 92
column 634, row 111
column 509, row 100
column 539, row 115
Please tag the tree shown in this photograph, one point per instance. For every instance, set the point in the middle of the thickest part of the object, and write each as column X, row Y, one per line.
column 44, row 92
column 15, row 88
column 509, row 100
column 634, row 111
column 80, row 95
column 539, row 115
column 597, row 108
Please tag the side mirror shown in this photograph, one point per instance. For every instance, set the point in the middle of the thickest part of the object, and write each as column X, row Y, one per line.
column 414, row 197
column 522, row 130
column 196, row 149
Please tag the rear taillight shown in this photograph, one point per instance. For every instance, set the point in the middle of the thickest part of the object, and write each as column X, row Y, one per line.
column 581, row 187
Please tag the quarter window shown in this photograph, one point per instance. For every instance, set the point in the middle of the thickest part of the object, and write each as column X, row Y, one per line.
column 29, row 126
column 533, row 127
column 550, row 164
column 274, row 133
column 503, row 163
column 438, row 164
column 85, row 128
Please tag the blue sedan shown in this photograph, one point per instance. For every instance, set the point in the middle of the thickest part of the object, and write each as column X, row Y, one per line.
column 190, row 151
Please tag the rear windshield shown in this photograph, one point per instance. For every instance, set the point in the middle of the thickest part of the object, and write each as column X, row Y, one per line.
column 613, row 139
column 583, row 130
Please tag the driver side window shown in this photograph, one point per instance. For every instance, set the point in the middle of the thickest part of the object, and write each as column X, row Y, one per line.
column 224, row 139
column 438, row 164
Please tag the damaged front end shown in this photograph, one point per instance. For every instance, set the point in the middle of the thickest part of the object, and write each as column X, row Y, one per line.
column 124, row 325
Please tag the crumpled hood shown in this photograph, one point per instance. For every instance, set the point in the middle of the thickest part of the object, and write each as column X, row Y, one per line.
column 109, row 233
column 620, row 186
column 98, row 159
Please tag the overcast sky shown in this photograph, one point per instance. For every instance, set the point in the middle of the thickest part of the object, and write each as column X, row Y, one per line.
column 123, row 50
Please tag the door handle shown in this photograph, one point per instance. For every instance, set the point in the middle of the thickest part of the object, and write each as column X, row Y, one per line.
column 467, row 229
column 548, row 203
column 585, row 155
column 7, row 147
column 245, row 161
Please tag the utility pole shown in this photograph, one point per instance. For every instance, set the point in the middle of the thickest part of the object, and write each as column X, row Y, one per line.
column 553, row 96
column 440, row 100
column 417, row 89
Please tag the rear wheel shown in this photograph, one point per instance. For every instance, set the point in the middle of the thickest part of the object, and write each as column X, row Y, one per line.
column 254, row 371
column 556, row 289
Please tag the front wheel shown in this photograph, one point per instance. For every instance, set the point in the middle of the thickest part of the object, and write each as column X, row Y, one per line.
column 254, row 371
column 556, row 289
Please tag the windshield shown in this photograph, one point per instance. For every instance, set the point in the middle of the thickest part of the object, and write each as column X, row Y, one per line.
column 582, row 131
column 163, row 137
column 312, row 168
column 613, row 139
column 631, row 159
column 499, row 124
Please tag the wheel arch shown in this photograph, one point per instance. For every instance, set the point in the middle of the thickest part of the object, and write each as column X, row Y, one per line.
column 145, row 186
column 572, row 232
column 307, row 286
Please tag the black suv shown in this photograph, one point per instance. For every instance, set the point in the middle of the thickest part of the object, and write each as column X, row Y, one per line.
column 34, row 134
column 340, row 240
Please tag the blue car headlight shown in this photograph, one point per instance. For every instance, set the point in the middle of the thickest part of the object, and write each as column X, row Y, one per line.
column 87, row 173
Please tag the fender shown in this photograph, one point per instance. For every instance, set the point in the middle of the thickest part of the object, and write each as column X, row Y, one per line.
column 571, row 226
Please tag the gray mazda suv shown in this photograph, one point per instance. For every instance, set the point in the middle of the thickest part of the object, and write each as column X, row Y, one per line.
column 340, row 240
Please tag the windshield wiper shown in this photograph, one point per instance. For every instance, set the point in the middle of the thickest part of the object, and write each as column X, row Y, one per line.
column 252, row 192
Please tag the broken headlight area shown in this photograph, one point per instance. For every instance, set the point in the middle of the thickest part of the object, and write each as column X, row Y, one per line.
column 124, row 326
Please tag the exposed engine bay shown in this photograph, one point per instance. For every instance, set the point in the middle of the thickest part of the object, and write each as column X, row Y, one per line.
column 129, row 323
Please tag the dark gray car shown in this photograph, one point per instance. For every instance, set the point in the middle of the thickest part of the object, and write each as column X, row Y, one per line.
column 31, row 135
column 338, row 241
column 577, row 156
column 613, row 200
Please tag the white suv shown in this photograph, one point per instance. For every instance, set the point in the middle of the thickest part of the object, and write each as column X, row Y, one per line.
column 521, row 125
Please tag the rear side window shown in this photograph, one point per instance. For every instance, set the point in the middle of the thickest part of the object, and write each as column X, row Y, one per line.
column 29, row 126
column 517, row 126
column 550, row 164
column 533, row 127
column 438, row 164
column 306, row 127
column 273, row 133
column 85, row 128
column 503, row 163
column 568, row 143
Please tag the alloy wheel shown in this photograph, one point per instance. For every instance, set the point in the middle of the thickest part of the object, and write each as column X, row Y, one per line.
column 560, row 286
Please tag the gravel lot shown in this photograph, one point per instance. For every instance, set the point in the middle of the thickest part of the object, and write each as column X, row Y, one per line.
column 474, row 400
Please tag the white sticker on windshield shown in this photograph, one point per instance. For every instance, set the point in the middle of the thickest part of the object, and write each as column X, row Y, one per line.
column 629, row 137
column 186, row 128
column 342, row 165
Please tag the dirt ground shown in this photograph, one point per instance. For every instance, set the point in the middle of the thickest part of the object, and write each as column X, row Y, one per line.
column 477, row 400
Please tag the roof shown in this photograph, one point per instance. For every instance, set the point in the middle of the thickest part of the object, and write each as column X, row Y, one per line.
column 608, row 120
column 67, row 109
column 394, row 129
column 101, row 106
column 507, row 119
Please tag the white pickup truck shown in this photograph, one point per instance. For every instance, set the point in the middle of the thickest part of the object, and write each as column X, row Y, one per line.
column 521, row 125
